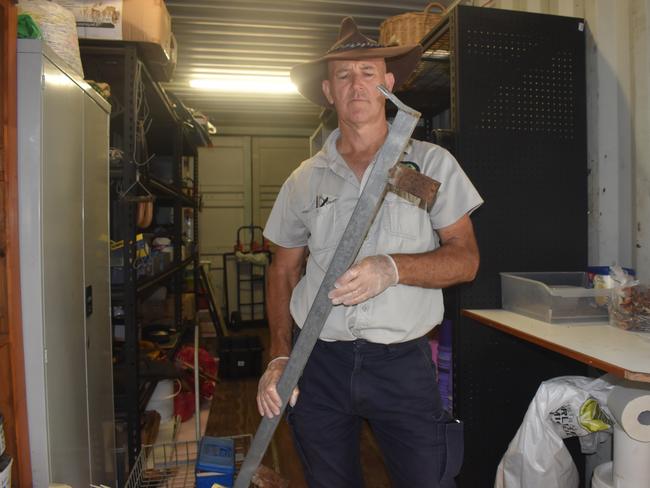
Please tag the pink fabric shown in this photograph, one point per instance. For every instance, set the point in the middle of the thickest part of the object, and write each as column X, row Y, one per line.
column 433, row 343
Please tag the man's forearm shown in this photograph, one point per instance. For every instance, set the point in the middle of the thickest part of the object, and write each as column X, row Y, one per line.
column 278, row 295
column 443, row 267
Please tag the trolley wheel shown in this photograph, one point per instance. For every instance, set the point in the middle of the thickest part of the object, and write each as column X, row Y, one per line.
column 235, row 319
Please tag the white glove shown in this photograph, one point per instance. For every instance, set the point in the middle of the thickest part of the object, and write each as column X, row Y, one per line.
column 268, row 399
column 366, row 279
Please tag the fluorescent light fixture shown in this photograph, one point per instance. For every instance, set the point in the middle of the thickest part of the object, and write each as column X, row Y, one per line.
column 245, row 84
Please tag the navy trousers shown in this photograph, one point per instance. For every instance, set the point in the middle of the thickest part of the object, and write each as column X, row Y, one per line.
column 394, row 388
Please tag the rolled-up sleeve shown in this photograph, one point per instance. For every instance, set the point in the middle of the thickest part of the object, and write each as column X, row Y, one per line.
column 457, row 195
column 285, row 225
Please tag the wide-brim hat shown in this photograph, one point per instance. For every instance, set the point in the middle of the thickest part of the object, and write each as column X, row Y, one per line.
column 351, row 44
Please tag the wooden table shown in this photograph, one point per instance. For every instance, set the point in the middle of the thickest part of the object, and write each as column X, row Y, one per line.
column 625, row 354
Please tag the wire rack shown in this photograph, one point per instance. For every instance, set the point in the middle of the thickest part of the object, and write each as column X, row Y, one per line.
column 172, row 465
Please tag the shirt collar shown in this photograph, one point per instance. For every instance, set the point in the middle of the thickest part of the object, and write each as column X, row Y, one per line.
column 330, row 157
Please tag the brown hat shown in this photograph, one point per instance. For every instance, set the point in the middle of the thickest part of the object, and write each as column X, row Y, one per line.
column 351, row 44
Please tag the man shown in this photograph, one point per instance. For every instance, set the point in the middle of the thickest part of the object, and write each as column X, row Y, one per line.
column 372, row 360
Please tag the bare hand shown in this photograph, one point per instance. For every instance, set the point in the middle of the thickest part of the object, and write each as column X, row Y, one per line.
column 269, row 402
column 366, row 279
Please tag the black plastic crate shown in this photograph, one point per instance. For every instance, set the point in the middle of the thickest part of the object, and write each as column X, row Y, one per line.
column 240, row 356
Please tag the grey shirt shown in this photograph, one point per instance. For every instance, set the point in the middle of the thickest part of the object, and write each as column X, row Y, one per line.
column 313, row 208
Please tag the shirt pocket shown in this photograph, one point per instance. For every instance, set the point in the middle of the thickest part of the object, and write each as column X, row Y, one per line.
column 401, row 219
column 323, row 227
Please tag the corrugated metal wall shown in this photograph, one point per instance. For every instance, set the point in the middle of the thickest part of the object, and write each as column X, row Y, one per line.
column 263, row 36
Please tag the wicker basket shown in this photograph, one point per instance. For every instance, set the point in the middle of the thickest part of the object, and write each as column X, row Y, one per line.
column 409, row 28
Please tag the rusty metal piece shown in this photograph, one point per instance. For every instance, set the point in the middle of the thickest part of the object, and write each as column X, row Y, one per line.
column 267, row 478
column 415, row 187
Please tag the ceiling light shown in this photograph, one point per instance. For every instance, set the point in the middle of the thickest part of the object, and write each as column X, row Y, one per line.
column 245, row 84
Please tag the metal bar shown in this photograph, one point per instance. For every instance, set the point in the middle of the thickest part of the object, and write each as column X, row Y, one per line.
column 197, row 397
column 179, row 277
column 346, row 252
column 220, row 327
column 441, row 26
column 149, row 282
column 164, row 190
column 195, row 229
column 127, row 229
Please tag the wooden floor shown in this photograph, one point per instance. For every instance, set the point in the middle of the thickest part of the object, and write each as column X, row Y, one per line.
column 234, row 412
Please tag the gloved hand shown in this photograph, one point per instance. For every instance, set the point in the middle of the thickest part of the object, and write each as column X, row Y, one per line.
column 268, row 399
column 366, row 279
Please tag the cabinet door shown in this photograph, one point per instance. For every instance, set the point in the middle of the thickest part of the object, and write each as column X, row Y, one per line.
column 225, row 186
column 63, row 319
column 96, row 283
column 274, row 158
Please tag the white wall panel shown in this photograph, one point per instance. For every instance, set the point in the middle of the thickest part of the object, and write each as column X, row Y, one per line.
column 567, row 8
column 609, row 132
column 640, row 32
column 274, row 158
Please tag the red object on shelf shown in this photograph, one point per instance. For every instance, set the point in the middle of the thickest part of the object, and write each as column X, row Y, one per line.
column 184, row 405
column 208, row 366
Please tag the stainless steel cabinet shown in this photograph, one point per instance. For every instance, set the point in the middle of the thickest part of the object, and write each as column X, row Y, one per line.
column 64, row 247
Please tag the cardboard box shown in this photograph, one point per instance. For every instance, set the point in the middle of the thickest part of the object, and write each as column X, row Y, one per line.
column 123, row 20
column 142, row 21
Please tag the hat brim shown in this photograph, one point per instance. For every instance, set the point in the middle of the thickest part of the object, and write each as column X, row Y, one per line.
column 400, row 60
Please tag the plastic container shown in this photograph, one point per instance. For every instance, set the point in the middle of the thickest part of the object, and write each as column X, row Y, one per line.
column 162, row 399
column 216, row 462
column 629, row 309
column 600, row 277
column 5, row 471
column 603, row 476
column 555, row 297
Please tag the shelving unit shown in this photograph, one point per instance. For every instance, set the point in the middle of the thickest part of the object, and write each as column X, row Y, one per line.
column 504, row 91
column 148, row 128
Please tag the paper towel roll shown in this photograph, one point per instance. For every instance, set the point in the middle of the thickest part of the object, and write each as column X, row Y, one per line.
column 631, row 409
column 631, row 461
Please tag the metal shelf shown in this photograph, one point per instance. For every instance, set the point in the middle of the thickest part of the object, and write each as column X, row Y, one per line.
column 138, row 101
column 164, row 190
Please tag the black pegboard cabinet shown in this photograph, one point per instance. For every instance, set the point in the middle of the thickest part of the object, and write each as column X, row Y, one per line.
column 517, row 103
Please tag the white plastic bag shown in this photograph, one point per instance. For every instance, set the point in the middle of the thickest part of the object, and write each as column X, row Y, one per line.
column 562, row 407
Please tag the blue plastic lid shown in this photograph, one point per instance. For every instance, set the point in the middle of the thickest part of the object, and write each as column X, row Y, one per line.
column 216, row 454
column 604, row 270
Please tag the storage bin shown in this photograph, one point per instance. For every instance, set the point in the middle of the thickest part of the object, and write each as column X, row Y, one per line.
column 215, row 462
column 144, row 21
column 629, row 308
column 240, row 356
column 555, row 297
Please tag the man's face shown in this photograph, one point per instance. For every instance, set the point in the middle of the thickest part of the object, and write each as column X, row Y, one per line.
column 352, row 88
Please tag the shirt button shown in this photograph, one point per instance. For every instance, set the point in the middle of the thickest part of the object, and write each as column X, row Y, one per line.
column 364, row 308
